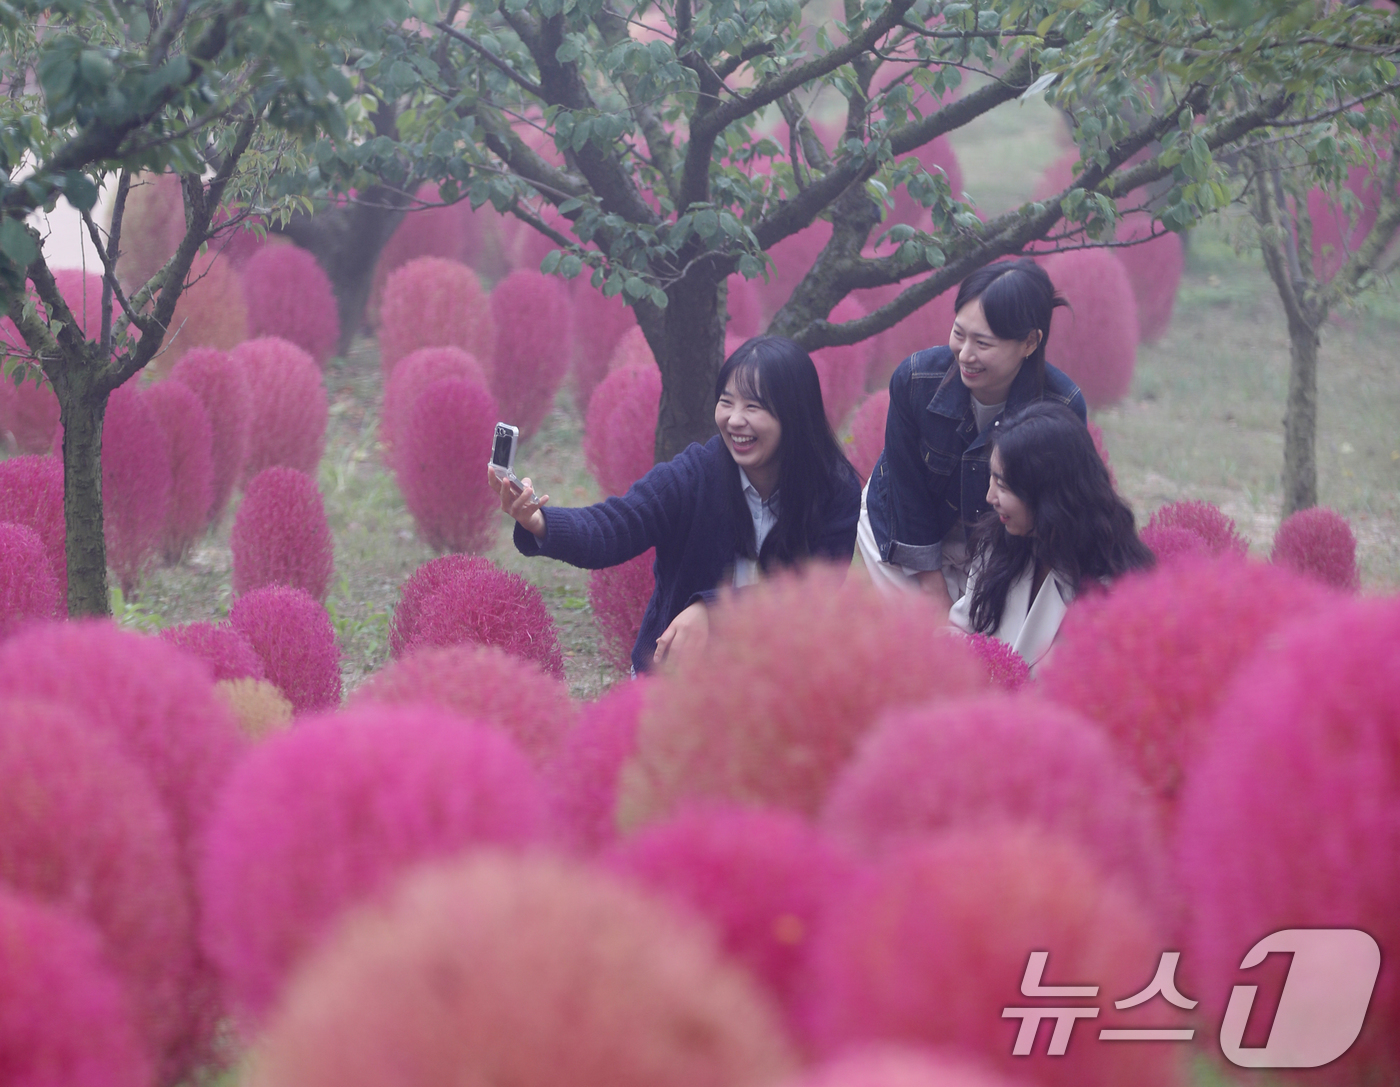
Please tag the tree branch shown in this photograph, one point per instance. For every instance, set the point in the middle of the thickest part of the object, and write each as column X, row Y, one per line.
column 491, row 58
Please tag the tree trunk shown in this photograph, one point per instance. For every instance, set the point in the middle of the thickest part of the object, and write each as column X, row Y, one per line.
column 82, row 415
column 1300, row 420
column 692, row 353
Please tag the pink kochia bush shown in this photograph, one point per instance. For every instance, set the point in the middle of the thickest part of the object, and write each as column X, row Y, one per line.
column 210, row 313
column 1169, row 541
column 431, row 302
column 931, row 944
column 867, row 440
column 976, row 762
column 532, row 314
column 440, row 462
column 599, row 323
column 222, row 387
column 763, row 878
column 483, row 683
column 293, row 635
column 220, row 646
column 413, row 374
column 28, row 589
column 325, row 815
column 1151, row 660
column 618, row 596
column 886, row 1065
column 582, row 778
column 456, row 600
column 619, row 431
column 65, row 1020
column 1095, row 342
column 1318, row 542
column 808, row 664
column 1206, row 521
column 28, row 412
column 1006, row 668
column 190, row 442
column 841, row 370
column 1154, row 270
column 1291, row 818
column 82, row 828
column 288, row 421
column 136, row 483
column 499, row 969
column 289, row 295
column 31, row 494
column 280, row 534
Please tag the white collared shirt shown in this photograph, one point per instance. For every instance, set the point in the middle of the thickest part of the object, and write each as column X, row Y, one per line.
column 765, row 516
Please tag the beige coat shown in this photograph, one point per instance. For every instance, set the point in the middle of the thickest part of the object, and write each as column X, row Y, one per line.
column 1028, row 626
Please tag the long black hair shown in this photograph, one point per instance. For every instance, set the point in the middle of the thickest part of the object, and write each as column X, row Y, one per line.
column 778, row 374
column 1080, row 528
column 1017, row 299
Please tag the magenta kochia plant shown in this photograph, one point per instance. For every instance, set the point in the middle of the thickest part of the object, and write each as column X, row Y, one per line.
column 31, row 493
column 220, row 646
column 617, row 596
column 885, row 1064
column 532, row 313
column 867, row 440
column 319, row 818
column 222, row 387
column 1154, row 270
column 189, row 439
column 1318, row 542
column 763, row 878
column 289, row 295
column 1207, row 521
column 619, row 430
column 507, row 969
column 82, row 828
column 482, row 683
column 293, row 635
column 65, row 1019
column 28, row 589
column 809, row 662
column 431, row 302
column 1095, row 341
column 136, row 483
column 288, row 422
column 414, row 593
column 28, row 412
column 1168, row 541
column 414, row 373
column 842, row 369
column 599, row 323
column 1291, row 817
column 281, row 535
column 932, row 943
column 1006, row 668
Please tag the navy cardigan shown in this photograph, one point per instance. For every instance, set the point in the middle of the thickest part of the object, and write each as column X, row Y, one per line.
column 684, row 509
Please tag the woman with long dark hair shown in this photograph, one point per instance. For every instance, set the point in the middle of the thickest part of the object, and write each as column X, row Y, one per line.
column 1055, row 527
column 930, row 483
column 771, row 490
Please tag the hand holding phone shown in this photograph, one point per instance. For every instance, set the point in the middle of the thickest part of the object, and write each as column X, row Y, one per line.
column 500, row 468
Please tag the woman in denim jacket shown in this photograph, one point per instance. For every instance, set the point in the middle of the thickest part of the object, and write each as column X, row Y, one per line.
column 931, row 480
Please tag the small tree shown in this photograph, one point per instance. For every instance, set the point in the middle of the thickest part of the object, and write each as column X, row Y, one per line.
column 217, row 91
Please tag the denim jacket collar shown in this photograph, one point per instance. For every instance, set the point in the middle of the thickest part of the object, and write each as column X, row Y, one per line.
column 954, row 401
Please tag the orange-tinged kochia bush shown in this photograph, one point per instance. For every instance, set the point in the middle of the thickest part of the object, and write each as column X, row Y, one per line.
column 509, row 970
column 281, row 535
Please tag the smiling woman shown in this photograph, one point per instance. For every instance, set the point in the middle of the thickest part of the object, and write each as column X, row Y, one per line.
column 771, row 490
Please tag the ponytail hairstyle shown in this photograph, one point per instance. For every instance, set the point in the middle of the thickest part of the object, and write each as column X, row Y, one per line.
column 1017, row 299
column 1080, row 529
column 778, row 374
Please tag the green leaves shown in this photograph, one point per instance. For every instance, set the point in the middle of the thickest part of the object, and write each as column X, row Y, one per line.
column 17, row 243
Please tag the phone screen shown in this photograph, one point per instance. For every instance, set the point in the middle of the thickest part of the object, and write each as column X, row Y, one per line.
column 500, row 451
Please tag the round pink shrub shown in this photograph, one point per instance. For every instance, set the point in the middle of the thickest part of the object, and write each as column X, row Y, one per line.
column 327, row 814
column 483, row 683
column 867, row 439
column 1318, row 542
column 82, row 291
column 293, row 635
column 582, row 778
column 532, row 313
column 414, row 373
column 28, row 589
column 190, row 441
column 288, row 421
column 1169, row 541
column 479, row 603
column 508, row 969
column 431, row 302
column 136, row 483
column 1291, row 817
column 792, row 259
column 931, row 944
column 1151, row 659
column 280, row 535
column 1101, row 448
column 1154, row 271
column 82, row 829
column 222, row 387
column 763, row 878
column 1006, row 669
column 210, row 313
column 220, row 646
column 745, row 308
column 1095, row 342
column 619, row 431
column 618, row 597
column 981, row 761
column 424, row 232
column 31, row 494
column 1206, row 521
column 414, row 592
column 28, row 412
column 599, row 323
column 632, row 350
column 841, row 370
column 64, row 1019
column 289, row 296
column 885, row 1065
column 928, row 326
column 440, row 461
column 808, row 663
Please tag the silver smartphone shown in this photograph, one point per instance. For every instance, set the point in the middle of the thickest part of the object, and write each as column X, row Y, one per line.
column 503, row 453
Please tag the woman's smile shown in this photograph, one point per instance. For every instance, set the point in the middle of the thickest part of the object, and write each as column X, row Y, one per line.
column 753, row 435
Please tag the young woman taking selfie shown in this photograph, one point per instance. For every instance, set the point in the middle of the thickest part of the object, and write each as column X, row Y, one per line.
column 771, row 490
